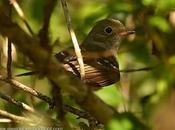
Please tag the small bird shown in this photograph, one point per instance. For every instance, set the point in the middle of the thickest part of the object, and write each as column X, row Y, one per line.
column 98, row 50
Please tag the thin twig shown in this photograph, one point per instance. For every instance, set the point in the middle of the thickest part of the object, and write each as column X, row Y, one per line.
column 31, row 121
column 17, row 103
column 9, row 51
column 75, row 111
column 82, row 114
column 13, row 117
column 21, row 15
column 57, row 99
column 44, row 98
column 58, row 103
column 33, row 92
column 136, row 70
column 74, row 39
column 43, row 33
column 9, row 58
column 5, row 120
column 27, row 89
column 23, row 87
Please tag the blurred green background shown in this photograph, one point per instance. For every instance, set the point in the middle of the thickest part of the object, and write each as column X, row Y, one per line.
column 147, row 95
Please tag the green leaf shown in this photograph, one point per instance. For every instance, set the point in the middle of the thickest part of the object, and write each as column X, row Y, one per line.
column 159, row 22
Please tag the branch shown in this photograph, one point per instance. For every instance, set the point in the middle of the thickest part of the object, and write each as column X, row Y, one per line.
column 81, row 114
column 5, row 120
column 27, row 89
column 48, row 100
column 139, row 69
column 17, row 103
column 58, row 103
column 9, row 59
column 74, row 39
column 55, row 72
column 9, row 52
column 32, row 120
column 14, row 118
column 21, row 15
column 43, row 33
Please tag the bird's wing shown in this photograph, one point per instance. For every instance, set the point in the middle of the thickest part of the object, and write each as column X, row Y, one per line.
column 66, row 56
column 103, row 71
column 98, row 72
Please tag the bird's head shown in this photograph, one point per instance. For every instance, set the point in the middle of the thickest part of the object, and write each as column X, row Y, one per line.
column 106, row 34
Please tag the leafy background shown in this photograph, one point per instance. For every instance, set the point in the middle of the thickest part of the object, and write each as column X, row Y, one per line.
column 149, row 95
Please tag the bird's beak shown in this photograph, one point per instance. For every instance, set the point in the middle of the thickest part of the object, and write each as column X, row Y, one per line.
column 126, row 33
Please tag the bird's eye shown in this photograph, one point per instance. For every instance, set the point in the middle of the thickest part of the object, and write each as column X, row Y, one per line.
column 108, row 30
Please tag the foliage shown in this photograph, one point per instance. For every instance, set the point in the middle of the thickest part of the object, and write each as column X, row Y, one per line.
column 140, row 93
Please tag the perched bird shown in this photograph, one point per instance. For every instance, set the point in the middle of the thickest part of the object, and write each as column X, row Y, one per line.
column 98, row 50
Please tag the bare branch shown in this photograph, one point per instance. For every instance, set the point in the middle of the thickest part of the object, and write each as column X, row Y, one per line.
column 82, row 114
column 21, row 15
column 75, row 111
column 17, row 103
column 9, row 58
column 136, row 70
column 64, row 108
column 43, row 33
column 35, row 93
column 5, row 120
column 32, row 120
column 9, row 51
column 58, row 104
column 74, row 39
column 13, row 117
column 27, row 89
